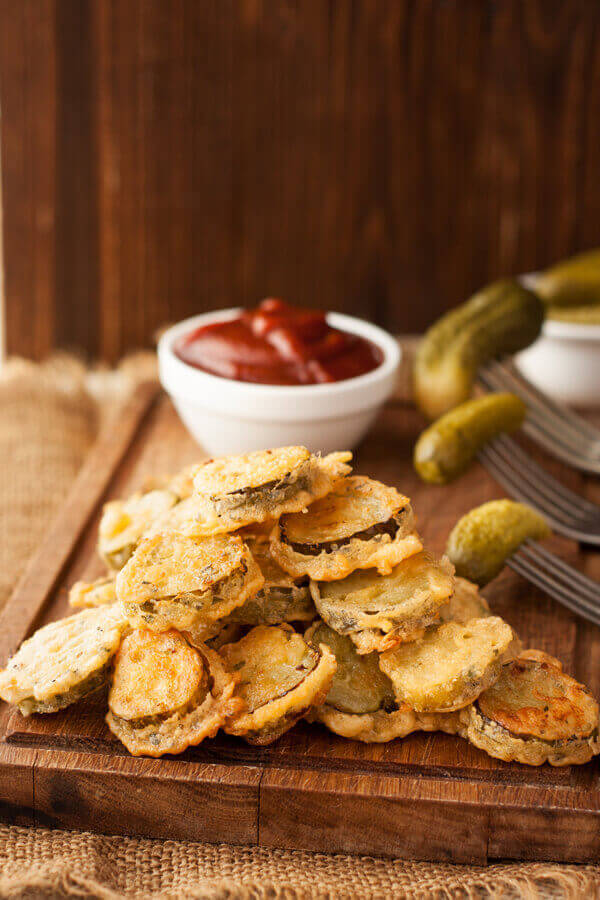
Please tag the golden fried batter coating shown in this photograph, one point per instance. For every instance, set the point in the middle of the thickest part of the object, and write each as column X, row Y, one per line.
column 168, row 693
column 237, row 491
column 466, row 603
column 380, row 611
column 101, row 592
column 360, row 524
column 451, row 665
column 64, row 661
column 187, row 583
column 280, row 678
column 360, row 703
column 124, row 522
column 534, row 713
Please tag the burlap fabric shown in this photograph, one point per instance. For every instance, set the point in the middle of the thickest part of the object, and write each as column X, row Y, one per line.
column 49, row 416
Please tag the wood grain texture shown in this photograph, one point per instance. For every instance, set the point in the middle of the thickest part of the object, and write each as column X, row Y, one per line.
column 430, row 796
column 163, row 157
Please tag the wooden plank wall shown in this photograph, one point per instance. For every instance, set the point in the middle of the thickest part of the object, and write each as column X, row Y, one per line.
column 382, row 157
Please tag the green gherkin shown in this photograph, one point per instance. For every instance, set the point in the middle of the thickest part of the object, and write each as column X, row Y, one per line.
column 484, row 538
column 502, row 318
column 573, row 282
column 449, row 445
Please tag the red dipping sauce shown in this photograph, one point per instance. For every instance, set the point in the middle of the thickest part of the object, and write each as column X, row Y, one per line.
column 278, row 344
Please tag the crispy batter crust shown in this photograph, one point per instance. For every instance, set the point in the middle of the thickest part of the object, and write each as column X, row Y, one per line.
column 380, row 611
column 360, row 704
column 465, row 604
column 255, row 658
column 382, row 726
column 533, row 714
column 124, row 522
column 86, row 595
column 60, row 662
column 360, row 524
column 262, row 486
column 185, row 727
column 451, row 665
column 154, row 674
column 187, row 583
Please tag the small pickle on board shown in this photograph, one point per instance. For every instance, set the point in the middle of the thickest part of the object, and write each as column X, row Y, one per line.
column 572, row 282
column 502, row 318
column 447, row 447
column 484, row 538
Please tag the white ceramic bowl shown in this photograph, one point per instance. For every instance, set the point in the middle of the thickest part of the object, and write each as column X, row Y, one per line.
column 564, row 362
column 226, row 416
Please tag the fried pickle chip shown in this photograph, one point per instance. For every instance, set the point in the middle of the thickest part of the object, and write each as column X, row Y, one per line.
column 360, row 703
column 174, row 581
column 451, row 665
column 280, row 678
column 167, row 693
column 360, row 524
column 533, row 714
column 281, row 599
column 87, row 594
column 187, row 517
column 64, row 661
column 380, row 611
column 236, row 491
column 466, row 603
column 124, row 522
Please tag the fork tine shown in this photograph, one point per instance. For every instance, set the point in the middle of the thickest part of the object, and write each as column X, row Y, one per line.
column 536, row 576
column 567, row 415
column 524, row 487
column 561, row 570
column 537, row 414
column 524, row 491
column 552, row 432
column 514, row 453
column 507, row 374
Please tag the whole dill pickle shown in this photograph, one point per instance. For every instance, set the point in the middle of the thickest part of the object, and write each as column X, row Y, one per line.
column 574, row 282
column 447, row 448
column 481, row 542
column 502, row 318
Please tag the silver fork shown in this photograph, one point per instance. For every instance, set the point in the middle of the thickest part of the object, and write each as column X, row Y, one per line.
column 558, row 579
column 567, row 512
column 561, row 432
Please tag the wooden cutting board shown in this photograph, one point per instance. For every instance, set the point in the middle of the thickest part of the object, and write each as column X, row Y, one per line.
column 430, row 796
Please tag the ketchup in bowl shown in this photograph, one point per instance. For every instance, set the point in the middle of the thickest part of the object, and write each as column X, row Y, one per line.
column 278, row 344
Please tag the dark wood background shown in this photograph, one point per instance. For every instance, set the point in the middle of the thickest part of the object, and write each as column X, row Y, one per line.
column 383, row 157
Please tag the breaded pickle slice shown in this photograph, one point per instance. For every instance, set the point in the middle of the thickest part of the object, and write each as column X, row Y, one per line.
column 239, row 490
column 124, row 523
column 64, row 661
column 87, row 594
column 187, row 517
column 167, row 693
column 451, row 666
column 466, row 603
column 281, row 598
column 533, row 714
column 175, row 581
column 360, row 703
column 280, row 678
column 448, row 447
column 484, row 538
column 503, row 317
column 360, row 524
column 380, row 611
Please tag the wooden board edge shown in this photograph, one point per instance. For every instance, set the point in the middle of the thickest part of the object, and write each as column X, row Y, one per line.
column 46, row 565
column 422, row 818
column 129, row 796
